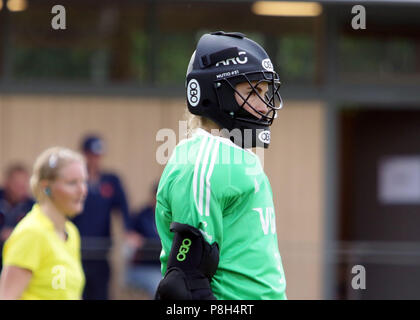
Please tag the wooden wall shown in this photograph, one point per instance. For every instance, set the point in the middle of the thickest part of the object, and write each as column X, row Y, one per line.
column 293, row 163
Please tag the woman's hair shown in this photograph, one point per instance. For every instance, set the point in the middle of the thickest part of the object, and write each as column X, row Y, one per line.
column 195, row 121
column 48, row 165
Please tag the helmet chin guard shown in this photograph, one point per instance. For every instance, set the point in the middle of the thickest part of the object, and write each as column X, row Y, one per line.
column 221, row 62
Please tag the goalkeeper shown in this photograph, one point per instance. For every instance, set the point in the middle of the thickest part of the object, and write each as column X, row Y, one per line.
column 215, row 213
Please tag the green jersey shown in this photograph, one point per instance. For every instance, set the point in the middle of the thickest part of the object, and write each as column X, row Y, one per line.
column 221, row 189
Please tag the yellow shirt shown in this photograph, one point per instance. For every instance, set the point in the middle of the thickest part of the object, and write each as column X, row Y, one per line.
column 55, row 263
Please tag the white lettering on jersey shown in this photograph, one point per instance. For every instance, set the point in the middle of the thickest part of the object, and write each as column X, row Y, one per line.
column 268, row 220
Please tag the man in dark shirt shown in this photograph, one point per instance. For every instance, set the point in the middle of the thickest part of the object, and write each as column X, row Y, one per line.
column 15, row 201
column 143, row 269
column 105, row 194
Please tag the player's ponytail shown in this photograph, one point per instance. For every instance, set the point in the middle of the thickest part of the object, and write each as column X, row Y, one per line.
column 195, row 121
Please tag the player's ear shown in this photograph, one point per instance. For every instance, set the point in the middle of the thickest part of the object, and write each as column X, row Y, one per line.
column 45, row 187
column 43, row 184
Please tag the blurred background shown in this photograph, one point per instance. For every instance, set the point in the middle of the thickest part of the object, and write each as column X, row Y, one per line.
column 344, row 162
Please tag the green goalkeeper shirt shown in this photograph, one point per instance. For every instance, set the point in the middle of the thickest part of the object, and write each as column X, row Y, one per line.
column 221, row 189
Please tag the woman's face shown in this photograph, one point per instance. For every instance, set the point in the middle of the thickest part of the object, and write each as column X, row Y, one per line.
column 245, row 89
column 68, row 191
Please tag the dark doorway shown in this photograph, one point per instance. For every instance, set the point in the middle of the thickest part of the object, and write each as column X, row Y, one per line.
column 379, row 226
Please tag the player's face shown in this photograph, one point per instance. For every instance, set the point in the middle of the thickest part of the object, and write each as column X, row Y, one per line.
column 68, row 191
column 245, row 89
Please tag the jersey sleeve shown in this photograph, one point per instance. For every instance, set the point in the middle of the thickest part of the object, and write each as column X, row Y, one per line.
column 24, row 249
column 200, row 203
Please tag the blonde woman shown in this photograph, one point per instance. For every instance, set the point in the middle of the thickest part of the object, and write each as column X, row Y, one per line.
column 42, row 256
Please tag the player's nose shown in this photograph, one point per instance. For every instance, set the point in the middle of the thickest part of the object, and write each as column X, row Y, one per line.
column 261, row 106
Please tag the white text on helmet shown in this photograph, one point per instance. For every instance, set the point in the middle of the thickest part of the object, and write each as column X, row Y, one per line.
column 227, row 74
column 239, row 59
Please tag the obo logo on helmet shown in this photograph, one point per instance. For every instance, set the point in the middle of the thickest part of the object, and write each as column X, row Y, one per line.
column 267, row 65
column 264, row 136
column 193, row 92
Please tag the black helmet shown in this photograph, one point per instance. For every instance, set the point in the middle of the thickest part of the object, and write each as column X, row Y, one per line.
column 220, row 62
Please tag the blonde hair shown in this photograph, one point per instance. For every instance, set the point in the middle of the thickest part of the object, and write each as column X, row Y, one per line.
column 195, row 121
column 47, row 167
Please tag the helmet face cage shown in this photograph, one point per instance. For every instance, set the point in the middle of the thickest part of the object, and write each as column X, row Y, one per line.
column 272, row 98
column 220, row 62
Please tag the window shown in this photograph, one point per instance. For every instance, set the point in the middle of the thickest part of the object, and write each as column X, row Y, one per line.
column 378, row 59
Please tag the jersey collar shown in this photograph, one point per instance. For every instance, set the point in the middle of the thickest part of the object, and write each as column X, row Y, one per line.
column 202, row 132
